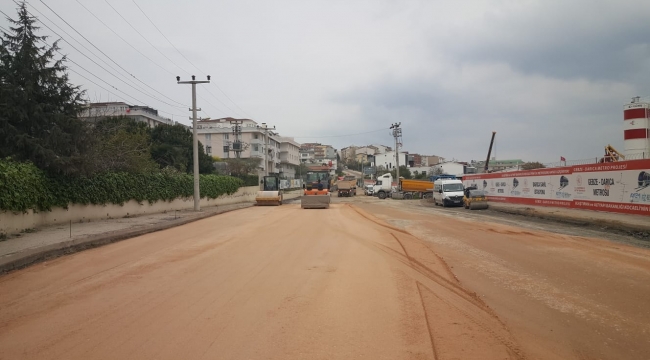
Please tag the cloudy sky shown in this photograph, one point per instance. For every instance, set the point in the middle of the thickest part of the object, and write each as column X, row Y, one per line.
column 550, row 77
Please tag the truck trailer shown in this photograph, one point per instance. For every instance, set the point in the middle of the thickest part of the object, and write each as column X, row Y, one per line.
column 414, row 189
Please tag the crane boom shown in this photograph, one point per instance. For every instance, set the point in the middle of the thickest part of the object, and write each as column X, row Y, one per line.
column 487, row 161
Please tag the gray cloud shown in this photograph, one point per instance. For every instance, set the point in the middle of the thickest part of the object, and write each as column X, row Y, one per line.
column 549, row 76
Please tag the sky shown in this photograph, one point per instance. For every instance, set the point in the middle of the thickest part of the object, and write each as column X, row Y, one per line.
column 550, row 77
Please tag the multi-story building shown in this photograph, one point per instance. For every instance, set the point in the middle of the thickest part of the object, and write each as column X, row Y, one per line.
column 415, row 160
column 380, row 149
column 430, row 160
column 289, row 157
column 96, row 111
column 218, row 137
column 320, row 151
column 387, row 160
column 349, row 153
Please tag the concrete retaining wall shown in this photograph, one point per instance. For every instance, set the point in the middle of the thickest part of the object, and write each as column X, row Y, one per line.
column 16, row 222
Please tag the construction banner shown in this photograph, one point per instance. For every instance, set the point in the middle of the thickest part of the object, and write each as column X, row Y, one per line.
column 622, row 186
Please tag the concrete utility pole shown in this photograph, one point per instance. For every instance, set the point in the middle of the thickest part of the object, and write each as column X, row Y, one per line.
column 195, row 140
column 397, row 134
column 266, row 141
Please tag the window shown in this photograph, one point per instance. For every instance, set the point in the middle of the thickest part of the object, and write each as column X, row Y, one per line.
column 452, row 187
column 208, row 150
column 256, row 136
column 208, row 136
column 256, row 147
column 226, row 136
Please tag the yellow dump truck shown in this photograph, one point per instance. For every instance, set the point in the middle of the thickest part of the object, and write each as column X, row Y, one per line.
column 414, row 189
column 347, row 186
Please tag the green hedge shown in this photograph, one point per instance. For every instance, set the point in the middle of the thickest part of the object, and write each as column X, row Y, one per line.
column 249, row 180
column 23, row 187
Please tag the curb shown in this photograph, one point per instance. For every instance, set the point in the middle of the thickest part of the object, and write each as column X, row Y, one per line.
column 604, row 224
column 29, row 257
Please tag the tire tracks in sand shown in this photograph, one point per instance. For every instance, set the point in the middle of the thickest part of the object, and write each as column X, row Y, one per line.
column 460, row 324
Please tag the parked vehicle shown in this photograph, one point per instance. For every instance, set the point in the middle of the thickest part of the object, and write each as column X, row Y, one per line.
column 448, row 192
column 413, row 189
column 383, row 186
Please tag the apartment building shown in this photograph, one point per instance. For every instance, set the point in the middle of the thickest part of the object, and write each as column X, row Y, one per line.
column 146, row 114
column 218, row 137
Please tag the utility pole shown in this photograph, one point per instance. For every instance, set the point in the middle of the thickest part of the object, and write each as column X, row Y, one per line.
column 195, row 140
column 237, row 145
column 397, row 134
column 266, row 141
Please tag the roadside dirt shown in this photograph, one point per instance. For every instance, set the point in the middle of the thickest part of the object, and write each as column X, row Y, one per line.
column 562, row 296
column 365, row 279
column 263, row 282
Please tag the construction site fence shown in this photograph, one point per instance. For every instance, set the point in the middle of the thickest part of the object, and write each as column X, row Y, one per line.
column 621, row 186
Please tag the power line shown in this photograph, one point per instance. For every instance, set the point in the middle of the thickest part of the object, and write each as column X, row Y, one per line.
column 163, row 35
column 184, row 57
column 334, row 136
column 219, row 100
column 145, row 39
column 91, row 73
column 121, row 38
column 95, row 62
column 103, row 53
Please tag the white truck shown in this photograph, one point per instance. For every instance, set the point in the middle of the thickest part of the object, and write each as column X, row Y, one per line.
column 383, row 186
column 448, row 192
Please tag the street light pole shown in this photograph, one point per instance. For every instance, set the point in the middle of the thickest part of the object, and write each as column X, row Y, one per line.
column 195, row 140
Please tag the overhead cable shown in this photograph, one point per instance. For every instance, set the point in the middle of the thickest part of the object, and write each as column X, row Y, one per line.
column 108, row 57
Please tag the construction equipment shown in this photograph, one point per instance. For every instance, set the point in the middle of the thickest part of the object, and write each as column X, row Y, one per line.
column 487, row 161
column 270, row 193
column 475, row 199
column 414, row 189
column 347, row 186
column 315, row 197
column 314, row 177
column 612, row 155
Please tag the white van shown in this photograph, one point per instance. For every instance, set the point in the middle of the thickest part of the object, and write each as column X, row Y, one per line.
column 448, row 192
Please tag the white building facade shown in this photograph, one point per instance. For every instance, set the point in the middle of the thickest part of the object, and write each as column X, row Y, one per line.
column 219, row 140
column 387, row 160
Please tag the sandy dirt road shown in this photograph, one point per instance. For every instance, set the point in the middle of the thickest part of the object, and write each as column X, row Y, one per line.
column 562, row 296
column 259, row 283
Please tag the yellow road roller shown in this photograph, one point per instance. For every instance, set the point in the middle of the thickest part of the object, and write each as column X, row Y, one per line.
column 270, row 193
column 475, row 199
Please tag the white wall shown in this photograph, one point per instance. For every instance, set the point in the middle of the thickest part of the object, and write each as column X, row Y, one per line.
column 387, row 160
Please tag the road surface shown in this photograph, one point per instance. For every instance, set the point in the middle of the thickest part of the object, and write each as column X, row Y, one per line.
column 343, row 283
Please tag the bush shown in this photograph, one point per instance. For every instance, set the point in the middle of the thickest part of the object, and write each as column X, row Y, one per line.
column 249, row 180
column 23, row 187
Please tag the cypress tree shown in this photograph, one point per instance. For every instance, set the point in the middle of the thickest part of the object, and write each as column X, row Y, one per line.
column 38, row 105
